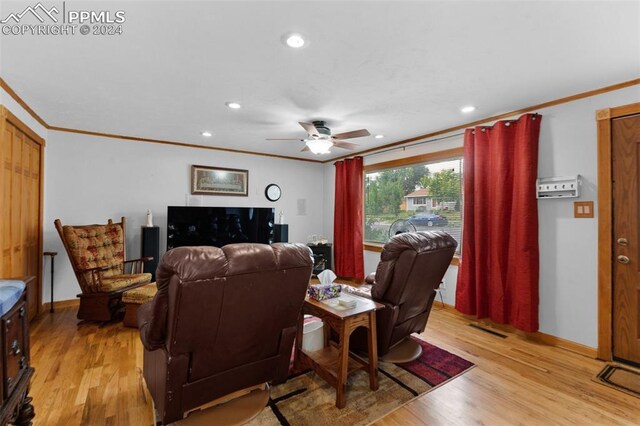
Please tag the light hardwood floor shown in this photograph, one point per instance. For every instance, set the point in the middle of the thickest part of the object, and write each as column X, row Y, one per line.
column 87, row 375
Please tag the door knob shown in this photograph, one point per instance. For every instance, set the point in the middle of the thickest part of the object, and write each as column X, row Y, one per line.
column 623, row 241
column 623, row 259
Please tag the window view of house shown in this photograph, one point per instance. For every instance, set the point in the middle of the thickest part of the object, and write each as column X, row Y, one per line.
column 421, row 197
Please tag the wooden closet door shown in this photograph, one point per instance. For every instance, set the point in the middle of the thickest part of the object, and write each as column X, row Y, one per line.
column 20, row 224
column 6, row 161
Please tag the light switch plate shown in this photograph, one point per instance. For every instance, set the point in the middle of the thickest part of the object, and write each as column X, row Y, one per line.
column 583, row 209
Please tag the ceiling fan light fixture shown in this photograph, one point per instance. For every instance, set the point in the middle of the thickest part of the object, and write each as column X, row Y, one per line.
column 319, row 146
column 294, row 40
column 233, row 105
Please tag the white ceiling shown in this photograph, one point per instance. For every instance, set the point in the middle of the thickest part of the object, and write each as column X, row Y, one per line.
column 397, row 68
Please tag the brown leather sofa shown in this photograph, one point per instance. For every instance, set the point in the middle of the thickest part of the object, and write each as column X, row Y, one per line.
column 410, row 269
column 223, row 320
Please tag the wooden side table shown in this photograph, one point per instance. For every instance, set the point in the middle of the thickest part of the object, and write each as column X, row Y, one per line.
column 334, row 362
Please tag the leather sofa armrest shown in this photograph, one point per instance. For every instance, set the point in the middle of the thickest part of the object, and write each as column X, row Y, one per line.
column 371, row 278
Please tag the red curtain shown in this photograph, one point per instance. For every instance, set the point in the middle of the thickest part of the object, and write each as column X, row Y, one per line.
column 348, row 218
column 499, row 269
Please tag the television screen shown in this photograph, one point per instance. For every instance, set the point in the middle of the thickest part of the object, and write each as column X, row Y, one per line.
column 218, row 226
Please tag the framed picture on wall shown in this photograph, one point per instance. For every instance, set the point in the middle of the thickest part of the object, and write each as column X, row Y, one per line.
column 219, row 181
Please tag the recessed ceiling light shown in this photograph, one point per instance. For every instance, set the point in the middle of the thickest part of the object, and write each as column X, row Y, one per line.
column 468, row 108
column 233, row 105
column 207, row 134
column 293, row 40
column 379, row 136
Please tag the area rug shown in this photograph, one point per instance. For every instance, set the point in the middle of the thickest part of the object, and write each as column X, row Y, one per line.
column 306, row 399
column 621, row 378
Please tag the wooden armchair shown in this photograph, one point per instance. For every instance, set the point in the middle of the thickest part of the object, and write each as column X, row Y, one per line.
column 97, row 255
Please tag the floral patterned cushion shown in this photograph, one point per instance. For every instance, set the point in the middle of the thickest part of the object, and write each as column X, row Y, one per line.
column 120, row 281
column 97, row 246
column 140, row 295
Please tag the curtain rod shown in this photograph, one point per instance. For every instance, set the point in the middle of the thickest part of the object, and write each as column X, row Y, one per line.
column 414, row 144
column 403, row 147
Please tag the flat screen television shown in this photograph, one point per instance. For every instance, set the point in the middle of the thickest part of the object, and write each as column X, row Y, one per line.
column 218, row 226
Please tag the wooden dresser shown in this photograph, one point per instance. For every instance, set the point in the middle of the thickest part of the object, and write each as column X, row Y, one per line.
column 16, row 371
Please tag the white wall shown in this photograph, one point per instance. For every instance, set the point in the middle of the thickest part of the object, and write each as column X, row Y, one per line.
column 568, row 246
column 90, row 179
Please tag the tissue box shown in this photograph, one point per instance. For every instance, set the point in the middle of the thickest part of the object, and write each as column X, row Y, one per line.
column 324, row 291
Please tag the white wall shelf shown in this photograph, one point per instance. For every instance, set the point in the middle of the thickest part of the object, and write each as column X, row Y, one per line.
column 558, row 187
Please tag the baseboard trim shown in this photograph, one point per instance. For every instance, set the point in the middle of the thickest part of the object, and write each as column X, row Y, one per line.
column 538, row 336
column 59, row 304
column 565, row 344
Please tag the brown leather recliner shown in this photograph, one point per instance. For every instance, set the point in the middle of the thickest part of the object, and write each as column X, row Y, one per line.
column 223, row 320
column 410, row 270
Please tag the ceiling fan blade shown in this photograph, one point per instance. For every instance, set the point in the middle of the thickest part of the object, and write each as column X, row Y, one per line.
column 345, row 145
column 310, row 128
column 353, row 134
column 306, row 148
column 296, row 139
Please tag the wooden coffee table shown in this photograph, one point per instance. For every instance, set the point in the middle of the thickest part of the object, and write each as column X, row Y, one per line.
column 334, row 362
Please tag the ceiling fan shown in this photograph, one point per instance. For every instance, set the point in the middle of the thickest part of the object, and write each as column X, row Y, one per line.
column 320, row 139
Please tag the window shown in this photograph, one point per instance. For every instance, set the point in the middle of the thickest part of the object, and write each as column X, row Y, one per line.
column 420, row 200
column 424, row 193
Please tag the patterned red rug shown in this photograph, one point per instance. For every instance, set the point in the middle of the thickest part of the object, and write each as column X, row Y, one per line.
column 435, row 366
column 306, row 399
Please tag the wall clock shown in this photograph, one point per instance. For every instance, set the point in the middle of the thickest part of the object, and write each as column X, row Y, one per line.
column 273, row 192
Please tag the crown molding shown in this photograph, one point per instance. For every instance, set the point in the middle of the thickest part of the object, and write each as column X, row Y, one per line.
column 22, row 103
column 175, row 143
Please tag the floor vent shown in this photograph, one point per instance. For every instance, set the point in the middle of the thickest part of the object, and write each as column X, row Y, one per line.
column 486, row 330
